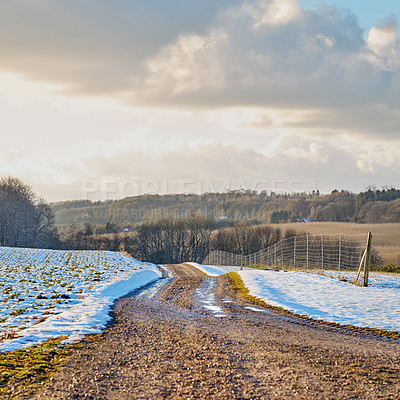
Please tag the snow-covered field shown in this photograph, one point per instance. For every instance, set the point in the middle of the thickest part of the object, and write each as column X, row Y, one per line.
column 321, row 297
column 50, row 293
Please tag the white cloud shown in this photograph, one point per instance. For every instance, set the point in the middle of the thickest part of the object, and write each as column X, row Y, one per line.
column 381, row 40
column 328, row 41
column 188, row 65
column 371, row 157
column 384, row 43
column 296, row 149
column 272, row 12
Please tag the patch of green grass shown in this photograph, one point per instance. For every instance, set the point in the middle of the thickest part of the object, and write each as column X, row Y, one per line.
column 26, row 368
column 243, row 291
column 18, row 312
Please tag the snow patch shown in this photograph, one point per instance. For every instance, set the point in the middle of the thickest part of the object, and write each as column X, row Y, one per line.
column 49, row 293
column 328, row 299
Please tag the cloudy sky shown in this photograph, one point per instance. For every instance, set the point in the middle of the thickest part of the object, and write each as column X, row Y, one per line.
column 102, row 99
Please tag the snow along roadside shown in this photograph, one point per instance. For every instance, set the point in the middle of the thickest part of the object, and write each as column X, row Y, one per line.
column 89, row 316
column 327, row 299
column 213, row 270
column 323, row 298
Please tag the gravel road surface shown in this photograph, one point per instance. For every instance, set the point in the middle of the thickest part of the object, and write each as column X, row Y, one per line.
column 191, row 337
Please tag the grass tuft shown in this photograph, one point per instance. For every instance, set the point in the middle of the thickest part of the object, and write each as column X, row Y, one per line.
column 21, row 371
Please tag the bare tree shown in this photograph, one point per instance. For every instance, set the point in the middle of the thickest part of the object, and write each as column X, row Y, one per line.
column 198, row 236
column 25, row 219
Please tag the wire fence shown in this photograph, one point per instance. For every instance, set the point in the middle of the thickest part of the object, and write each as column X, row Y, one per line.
column 311, row 252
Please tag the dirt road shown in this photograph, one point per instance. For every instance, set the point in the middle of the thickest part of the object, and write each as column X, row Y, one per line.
column 190, row 336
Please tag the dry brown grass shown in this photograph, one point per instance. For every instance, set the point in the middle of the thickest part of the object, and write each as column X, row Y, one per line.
column 385, row 237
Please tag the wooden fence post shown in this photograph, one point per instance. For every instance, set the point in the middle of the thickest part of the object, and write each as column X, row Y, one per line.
column 367, row 260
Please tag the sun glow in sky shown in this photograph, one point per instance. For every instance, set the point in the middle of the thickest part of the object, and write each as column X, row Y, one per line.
column 104, row 99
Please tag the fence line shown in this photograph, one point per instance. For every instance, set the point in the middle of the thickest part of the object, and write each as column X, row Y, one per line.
column 323, row 252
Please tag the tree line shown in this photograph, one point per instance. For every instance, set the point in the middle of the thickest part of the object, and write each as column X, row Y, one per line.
column 177, row 240
column 371, row 206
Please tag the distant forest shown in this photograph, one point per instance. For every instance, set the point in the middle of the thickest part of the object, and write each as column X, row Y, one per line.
column 371, row 206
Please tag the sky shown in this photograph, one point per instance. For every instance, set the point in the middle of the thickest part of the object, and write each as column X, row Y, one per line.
column 102, row 100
